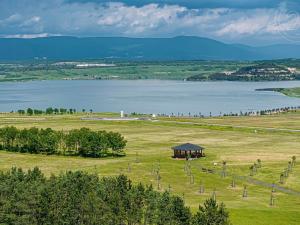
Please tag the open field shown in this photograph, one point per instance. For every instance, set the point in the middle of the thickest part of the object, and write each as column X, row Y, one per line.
column 292, row 92
column 174, row 70
column 132, row 70
column 149, row 144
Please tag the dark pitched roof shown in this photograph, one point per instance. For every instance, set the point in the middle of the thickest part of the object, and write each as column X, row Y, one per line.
column 188, row 147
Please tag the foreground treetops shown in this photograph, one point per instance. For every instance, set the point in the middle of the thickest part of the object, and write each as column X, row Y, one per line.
column 82, row 198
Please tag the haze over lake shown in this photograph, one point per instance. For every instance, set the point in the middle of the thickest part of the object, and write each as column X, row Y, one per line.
column 146, row 96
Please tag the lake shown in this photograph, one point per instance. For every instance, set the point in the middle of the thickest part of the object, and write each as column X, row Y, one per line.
column 146, row 96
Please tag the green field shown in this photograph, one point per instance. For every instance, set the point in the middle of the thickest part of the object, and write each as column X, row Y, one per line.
column 238, row 140
column 292, row 92
column 130, row 70
column 41, row 70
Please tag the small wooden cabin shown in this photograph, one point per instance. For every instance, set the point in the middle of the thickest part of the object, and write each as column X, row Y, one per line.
column 188, row 151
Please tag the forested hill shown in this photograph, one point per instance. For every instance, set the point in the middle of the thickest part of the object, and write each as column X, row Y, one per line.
column 177, row 48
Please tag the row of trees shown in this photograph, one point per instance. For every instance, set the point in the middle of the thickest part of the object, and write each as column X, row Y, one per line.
column 83, row 142
column 250, row 113
column 49, row 111
column 79, row 198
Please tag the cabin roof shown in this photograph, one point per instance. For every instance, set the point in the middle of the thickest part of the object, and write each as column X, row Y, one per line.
column 188, row 147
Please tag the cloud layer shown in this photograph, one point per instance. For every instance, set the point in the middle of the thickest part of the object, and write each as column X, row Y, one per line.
column 254, row 22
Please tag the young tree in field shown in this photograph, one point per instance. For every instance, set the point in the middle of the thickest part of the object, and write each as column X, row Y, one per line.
column 214, row 195
column 224, row 163
column 281, row 178
column 29, row 111
column 21, row 111
column 62, row 111
column 245, row 192
column 258, row 163
column 294, row 160
column 211, row 214
column 49, row 110
column 201, row 189
column 233, row 182
column 56, row 110
column 37, row 112
column 251, row 168
column 290, row 166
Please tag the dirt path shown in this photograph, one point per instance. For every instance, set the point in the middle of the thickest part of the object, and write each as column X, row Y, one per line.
column 233, row 126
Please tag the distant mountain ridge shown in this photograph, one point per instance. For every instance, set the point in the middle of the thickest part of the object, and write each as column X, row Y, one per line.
column 177, row 48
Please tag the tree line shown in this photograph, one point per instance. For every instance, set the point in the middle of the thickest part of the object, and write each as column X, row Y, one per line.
column 250, row 113
column 81, row 142
column 71, row 198
column 49, row 111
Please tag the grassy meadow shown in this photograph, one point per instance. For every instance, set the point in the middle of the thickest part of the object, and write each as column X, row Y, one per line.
column 171, row 70
column 240, row 143
column 292, row 92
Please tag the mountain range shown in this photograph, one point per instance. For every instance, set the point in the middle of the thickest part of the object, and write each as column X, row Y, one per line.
column 122, row 48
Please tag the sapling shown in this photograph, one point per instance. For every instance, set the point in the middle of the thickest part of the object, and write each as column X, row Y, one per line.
column 245, row 192
column 214, row 195
column 272, row 199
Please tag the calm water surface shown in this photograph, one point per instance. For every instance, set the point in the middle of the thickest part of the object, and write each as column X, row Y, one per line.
column 146, row 96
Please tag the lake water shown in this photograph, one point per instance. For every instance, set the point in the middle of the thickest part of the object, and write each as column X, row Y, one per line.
column 146, row 96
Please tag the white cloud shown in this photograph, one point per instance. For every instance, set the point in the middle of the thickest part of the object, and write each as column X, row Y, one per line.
column 259, row 22
column 10, row 20
column 139, row 19
column 28, row 36
column 152, row 20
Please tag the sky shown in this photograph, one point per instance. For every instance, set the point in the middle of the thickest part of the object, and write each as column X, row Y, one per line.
column 251, row 22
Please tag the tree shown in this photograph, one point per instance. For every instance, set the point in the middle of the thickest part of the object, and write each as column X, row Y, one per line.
column 294, row 160
column 48, row 141
column 259, row 163
column 49, row 110
column 211, row 214
column 180, row 212
column 21, row 111
column 116, row 141
column 73, row 141
column 56, row 110
column 62, row 111
column 29, row 111
column 8, row 136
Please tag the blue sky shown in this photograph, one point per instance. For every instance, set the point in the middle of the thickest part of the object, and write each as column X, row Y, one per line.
column 233, row 21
